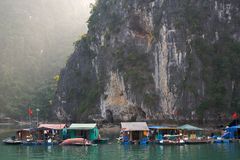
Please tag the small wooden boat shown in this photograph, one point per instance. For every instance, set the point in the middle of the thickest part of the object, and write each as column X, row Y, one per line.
column 40, row 142
column 32, row 143
column 77, row 142
column 11, row 141
column 171, row 140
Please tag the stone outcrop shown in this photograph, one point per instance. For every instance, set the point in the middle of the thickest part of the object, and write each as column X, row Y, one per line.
column 155, row 60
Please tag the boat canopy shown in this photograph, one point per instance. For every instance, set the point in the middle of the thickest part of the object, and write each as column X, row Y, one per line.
column 231, row 132
column 189, row 128
column 52, row 126
column 134, row 126
column 82, row 126
column 238, row 126
column 233, row 128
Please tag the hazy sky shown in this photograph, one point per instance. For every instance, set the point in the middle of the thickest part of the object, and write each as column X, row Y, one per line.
column 20, row 17
column 36, row 38
column 41, row 29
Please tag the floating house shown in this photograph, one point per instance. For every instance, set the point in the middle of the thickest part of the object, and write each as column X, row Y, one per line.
column 26, row 134
column 23, row 135
column 134, row 132
column 87, row 131
column 158, row 132
column 190, row 132
column 53, row 131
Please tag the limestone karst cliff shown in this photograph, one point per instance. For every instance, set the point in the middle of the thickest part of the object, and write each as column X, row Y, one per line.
column 154, row 59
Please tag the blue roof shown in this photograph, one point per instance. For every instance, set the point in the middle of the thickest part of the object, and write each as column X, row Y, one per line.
column 233, row 128
column 160, row 127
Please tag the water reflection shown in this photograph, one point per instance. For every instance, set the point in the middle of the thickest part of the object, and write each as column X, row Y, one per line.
column 122, row 152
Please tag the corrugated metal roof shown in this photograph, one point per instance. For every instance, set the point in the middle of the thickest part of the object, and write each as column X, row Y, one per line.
column 82, row 126
column 134, row 126
column 52, row 126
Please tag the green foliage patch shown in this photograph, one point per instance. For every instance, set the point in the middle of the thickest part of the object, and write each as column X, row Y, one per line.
column 221, row 62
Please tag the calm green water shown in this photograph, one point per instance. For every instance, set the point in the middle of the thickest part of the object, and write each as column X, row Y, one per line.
column 120, row 152
column 116, row 151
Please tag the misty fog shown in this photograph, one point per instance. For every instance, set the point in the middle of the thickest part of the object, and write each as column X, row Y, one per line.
column 37, row 37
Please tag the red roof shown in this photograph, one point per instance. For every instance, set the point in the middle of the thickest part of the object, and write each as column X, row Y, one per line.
column 52, row 126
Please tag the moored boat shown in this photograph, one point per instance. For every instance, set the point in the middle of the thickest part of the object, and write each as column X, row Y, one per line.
column 77, row 142
column 20, row 136
column 12, row 141
column 31, row 143
column 171, row 140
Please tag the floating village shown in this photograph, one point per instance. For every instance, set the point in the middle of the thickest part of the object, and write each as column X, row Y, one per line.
column 87, row 134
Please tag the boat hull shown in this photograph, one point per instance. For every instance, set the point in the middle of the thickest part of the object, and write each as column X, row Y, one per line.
column 198, row 142
column 12, row 142
column 77, row 142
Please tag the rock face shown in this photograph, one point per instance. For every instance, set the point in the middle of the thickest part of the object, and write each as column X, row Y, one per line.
column 155, row 60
